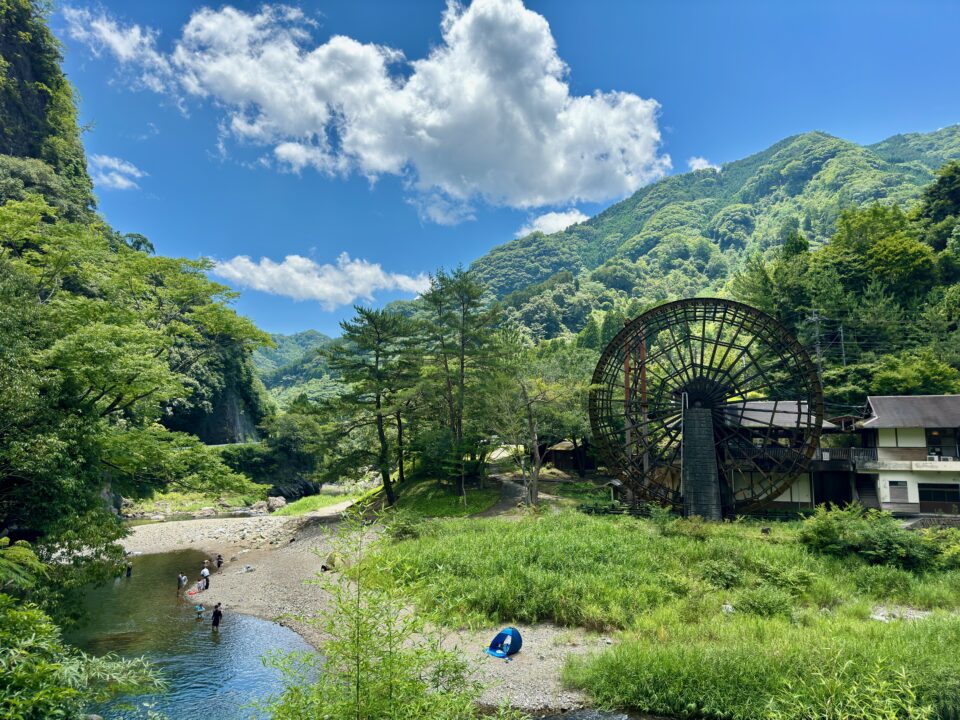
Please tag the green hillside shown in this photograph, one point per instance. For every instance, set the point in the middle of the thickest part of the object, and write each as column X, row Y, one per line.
column 295, row 366
column 687, row 233
column 287, row 349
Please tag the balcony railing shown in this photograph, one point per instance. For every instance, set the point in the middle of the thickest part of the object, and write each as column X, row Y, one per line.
column 789, row 455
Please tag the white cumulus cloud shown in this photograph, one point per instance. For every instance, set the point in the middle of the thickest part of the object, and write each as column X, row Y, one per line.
column 114, row 173
column 552, row 222
column 332, row 285
column 701, row 163
column 487, row 115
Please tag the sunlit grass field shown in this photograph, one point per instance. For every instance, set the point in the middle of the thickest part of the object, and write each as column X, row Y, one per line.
column 311, row 503
column 429, row 498
column 715, row 621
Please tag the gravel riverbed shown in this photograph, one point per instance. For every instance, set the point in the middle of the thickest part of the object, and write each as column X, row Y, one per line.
column 284, row 555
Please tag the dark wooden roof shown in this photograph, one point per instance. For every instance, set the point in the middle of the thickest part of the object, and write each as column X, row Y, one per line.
column 910, row 411
column 786, row 414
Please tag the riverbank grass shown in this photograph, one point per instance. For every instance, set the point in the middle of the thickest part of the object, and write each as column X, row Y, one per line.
column 721, row 621
column 428, row 497
column 174, row 502
column 311, row 503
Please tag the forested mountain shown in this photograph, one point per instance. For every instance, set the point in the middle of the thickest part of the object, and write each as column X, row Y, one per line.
column 687, row 233
column 40, row 148
column 296, row 366
column 287, row 349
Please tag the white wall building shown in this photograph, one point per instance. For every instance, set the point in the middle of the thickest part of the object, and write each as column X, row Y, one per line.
column 917, row 466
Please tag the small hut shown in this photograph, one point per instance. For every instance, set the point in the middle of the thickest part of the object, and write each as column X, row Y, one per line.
column 566, row 456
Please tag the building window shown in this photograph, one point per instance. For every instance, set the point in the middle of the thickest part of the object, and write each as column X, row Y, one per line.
column 898, row 491
column 940, row 498
column 942, row 442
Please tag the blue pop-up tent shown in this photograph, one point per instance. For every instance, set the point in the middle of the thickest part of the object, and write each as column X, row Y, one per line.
column 506, row 643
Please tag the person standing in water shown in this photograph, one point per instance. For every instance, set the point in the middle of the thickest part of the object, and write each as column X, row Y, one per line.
column 129, row 569
column 181, row 582
column 205, row 577
column 217, row 617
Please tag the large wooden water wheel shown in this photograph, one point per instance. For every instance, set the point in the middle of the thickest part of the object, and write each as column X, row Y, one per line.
column 708, row 405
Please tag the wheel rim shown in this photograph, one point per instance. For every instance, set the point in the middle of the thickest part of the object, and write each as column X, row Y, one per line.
column 758, row 382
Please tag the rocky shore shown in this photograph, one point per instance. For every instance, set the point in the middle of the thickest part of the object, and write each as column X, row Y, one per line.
column 272, row 560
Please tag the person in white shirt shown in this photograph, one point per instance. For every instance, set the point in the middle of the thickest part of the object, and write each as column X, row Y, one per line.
column 205, row 576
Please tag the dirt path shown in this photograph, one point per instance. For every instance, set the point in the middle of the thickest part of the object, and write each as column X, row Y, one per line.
column 511, row 495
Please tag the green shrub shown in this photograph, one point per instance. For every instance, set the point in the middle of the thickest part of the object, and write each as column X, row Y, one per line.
column 42, row 677
column 792, row 579
column 883, row 581
column 694, row 527
column 723, row 574
column 875, row 694
column 311, row 503
column 875, row 536
column 765, row 601
column 403, row 524
column 947, row 542
column 832, row 667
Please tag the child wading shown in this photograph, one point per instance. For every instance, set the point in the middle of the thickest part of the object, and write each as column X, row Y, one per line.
column 217, row 616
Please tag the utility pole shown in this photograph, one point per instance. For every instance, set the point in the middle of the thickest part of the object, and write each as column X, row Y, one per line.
column 843, row 347
column 815, row 319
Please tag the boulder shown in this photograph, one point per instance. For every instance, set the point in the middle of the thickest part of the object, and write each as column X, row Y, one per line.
column 259, row 507
column 275, row 503
column 294, row 489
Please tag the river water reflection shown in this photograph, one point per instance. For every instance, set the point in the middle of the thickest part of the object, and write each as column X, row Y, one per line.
column 211, row 675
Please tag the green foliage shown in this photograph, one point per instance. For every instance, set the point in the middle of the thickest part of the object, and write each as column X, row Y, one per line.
column 875, row 536
column 686, row 234
column 312, row 502
column 101, row 343
column 40, row 677
column 38, row 117
column 376, row 660
column 723, row 574
column 725, row 626
column 433, row 498
column 915, row 373
column 19, row 566
column 836, row 667
column 938, row 213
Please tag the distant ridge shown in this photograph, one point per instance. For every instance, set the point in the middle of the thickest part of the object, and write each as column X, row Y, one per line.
column 688, row 218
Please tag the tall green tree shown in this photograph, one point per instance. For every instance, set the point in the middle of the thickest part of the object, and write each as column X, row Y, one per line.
column 458, row 323
column 374, row 361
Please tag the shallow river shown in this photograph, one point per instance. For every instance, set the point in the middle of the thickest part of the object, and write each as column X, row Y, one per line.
column 211, row 675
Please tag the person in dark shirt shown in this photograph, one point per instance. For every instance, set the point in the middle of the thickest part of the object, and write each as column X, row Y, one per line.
column 219, row 562
column 129, row 569
column 217, row 617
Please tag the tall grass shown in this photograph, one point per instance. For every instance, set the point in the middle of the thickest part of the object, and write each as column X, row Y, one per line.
column 748, row 667
column 430, row 498
column 719, row 621
column 311, row 503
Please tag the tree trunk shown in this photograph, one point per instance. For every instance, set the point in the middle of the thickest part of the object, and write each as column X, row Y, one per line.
column 400, row 477
column 533, row 491
column 383, row 458
column 578, row 459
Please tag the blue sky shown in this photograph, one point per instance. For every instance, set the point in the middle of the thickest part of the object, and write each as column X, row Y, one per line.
column 326, row 153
